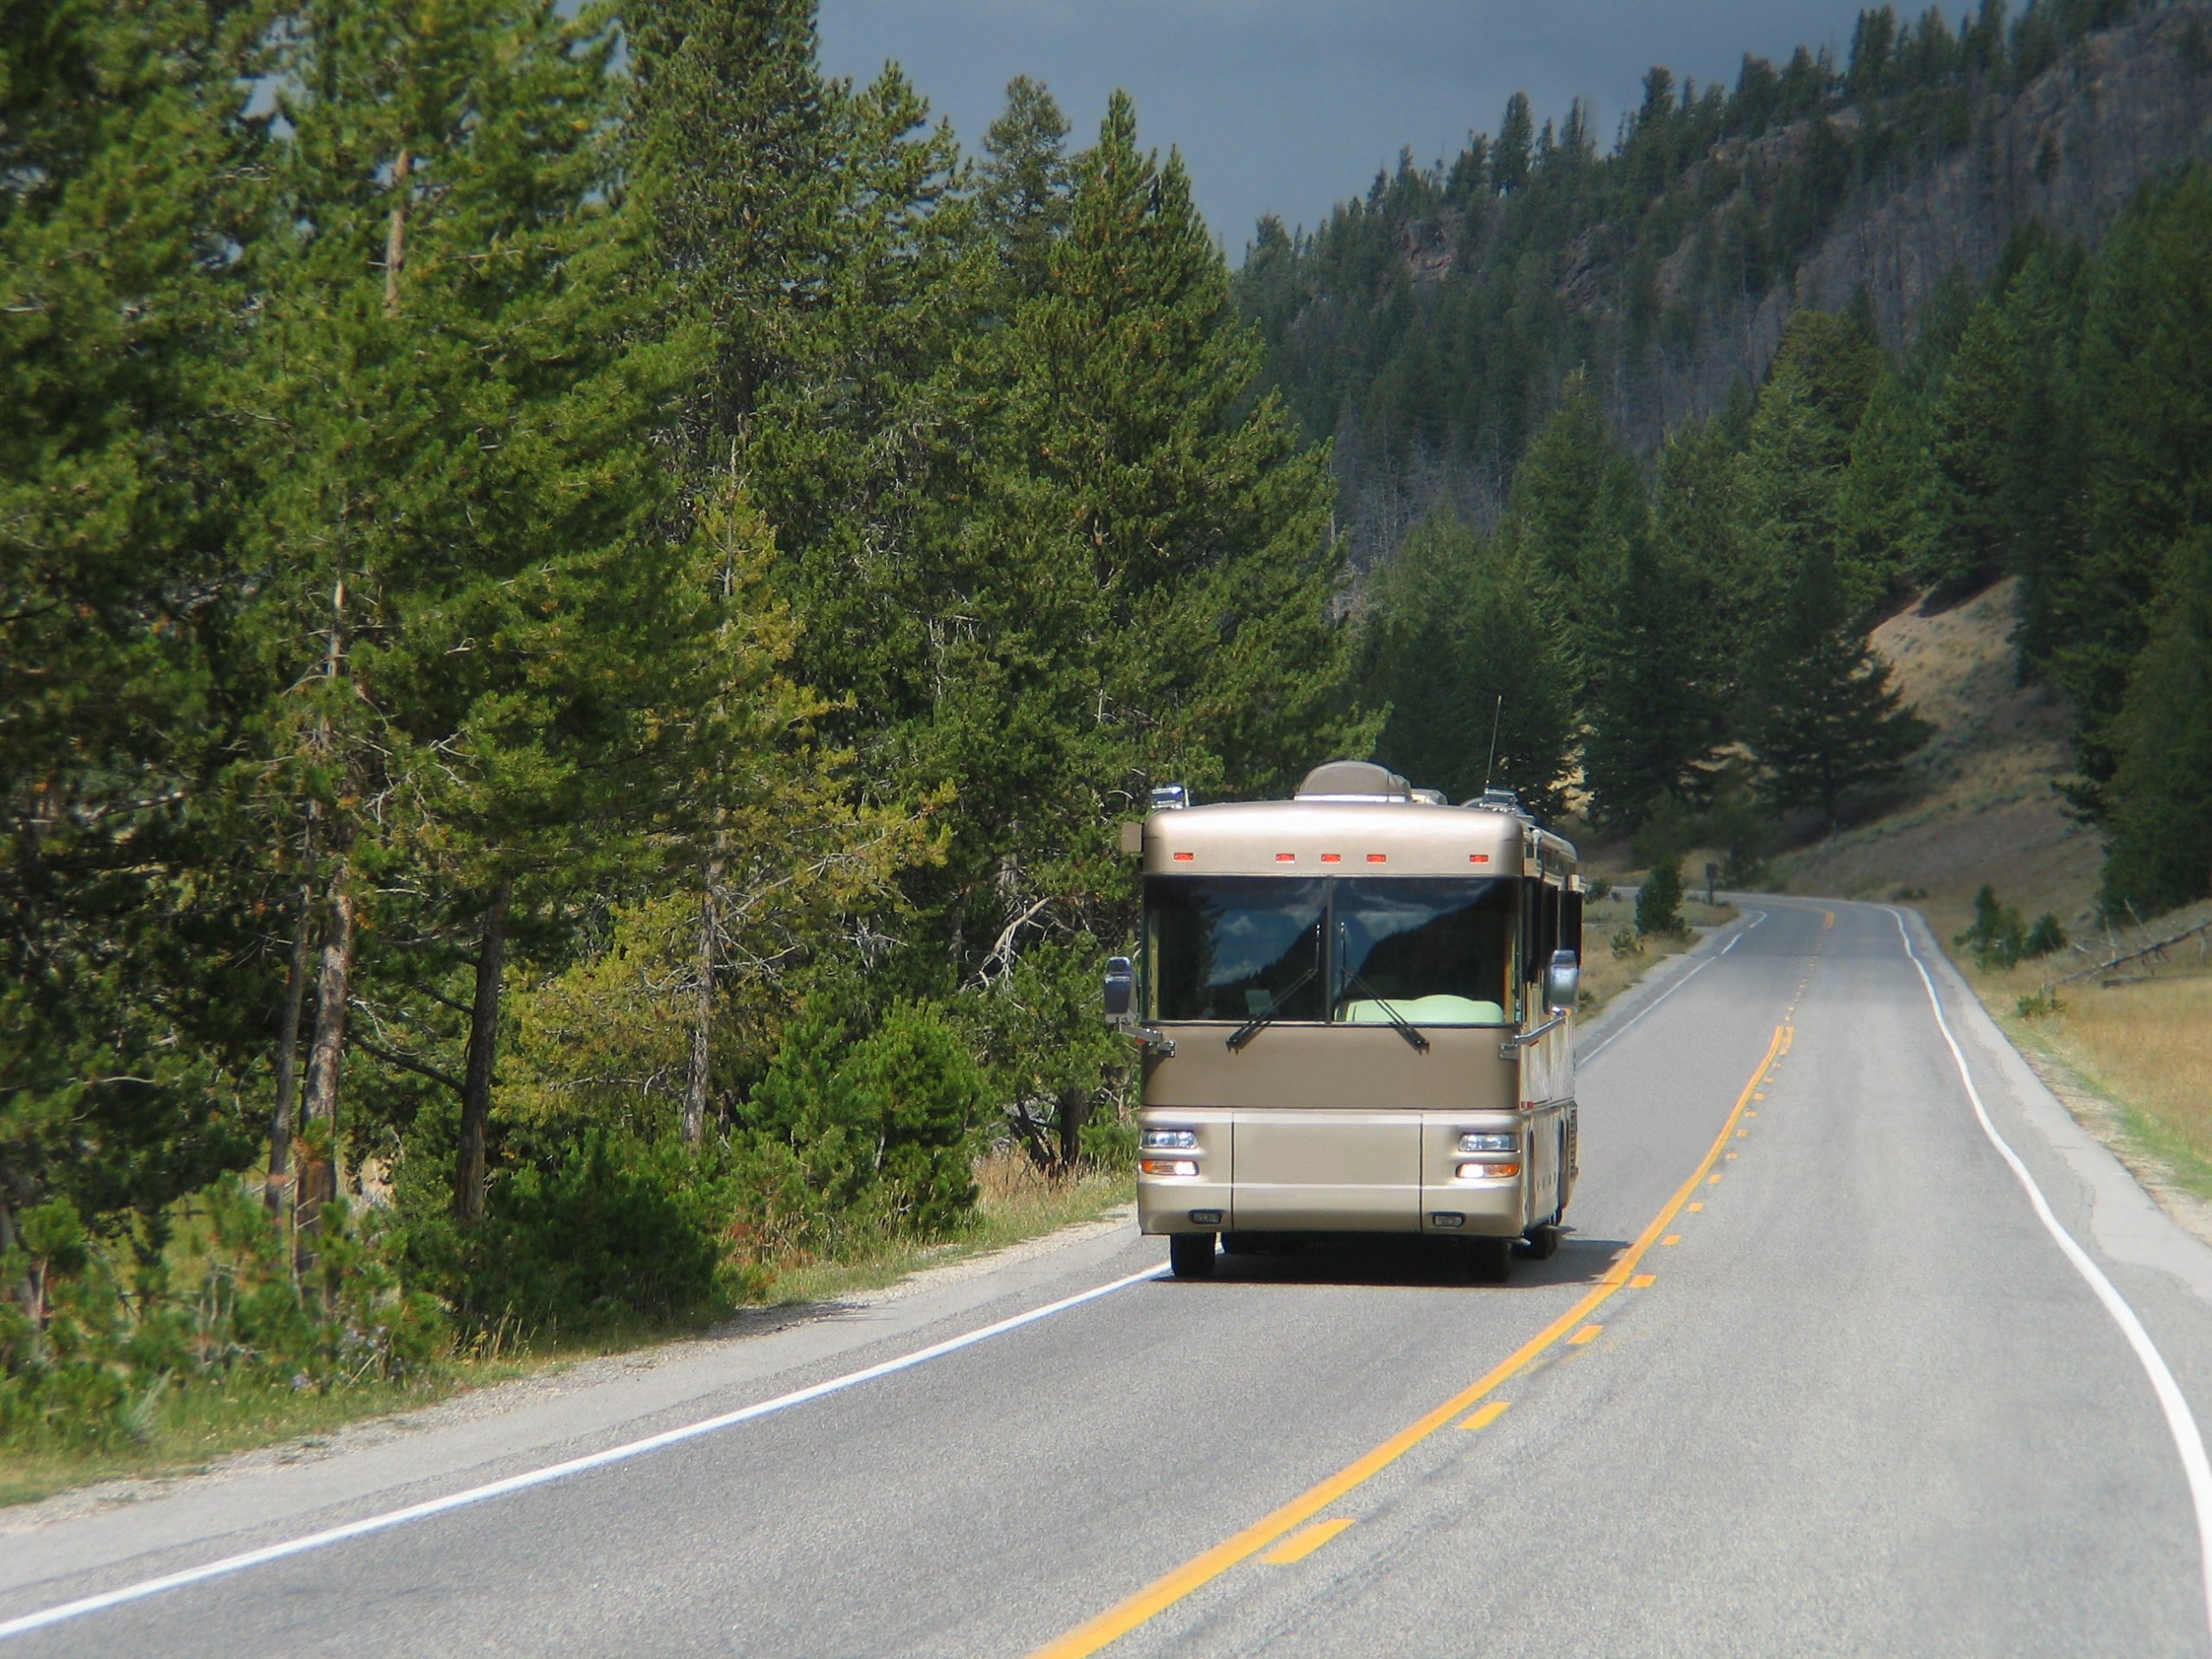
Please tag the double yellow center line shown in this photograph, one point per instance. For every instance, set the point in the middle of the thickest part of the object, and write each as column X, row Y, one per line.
column 1118, row 1621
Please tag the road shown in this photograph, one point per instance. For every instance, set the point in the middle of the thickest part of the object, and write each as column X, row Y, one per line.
column 1840, row 1392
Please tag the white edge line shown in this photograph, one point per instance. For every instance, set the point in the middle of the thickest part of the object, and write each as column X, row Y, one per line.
column 229, row 1564
column 2180, row 1421
column 1614, row 1037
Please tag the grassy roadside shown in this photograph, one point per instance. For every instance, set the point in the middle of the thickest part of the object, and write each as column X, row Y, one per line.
column 2129, row 1050
column 191, row 1427
column 1615, row 956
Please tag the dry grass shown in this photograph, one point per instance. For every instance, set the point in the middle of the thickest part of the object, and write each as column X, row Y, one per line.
column 1614, row 957
column 1015, row 1202
column 2148, row 1047
column 2140, row 1037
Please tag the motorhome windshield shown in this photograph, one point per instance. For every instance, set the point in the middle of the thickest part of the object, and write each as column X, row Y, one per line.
column 1235, row 948
column 1437, row 951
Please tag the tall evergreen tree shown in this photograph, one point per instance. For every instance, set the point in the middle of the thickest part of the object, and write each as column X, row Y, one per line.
column 1025, row 183
column 1457, row 644
column 1791, row 476
column 455, row 485
column 2160, row 814
column 1970, row 432
column 127, row 989
column 1885, row 503
column 1825, row 721
column 2146, row 346
column 1576, row 508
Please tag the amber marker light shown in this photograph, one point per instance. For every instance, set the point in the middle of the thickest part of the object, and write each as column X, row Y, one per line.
column 1286, row 858
column 1486, row 1172
column 1185, row 858
column 1478, row 858
column 1332, row 858
column 1167, row 1166
column 1378, row 858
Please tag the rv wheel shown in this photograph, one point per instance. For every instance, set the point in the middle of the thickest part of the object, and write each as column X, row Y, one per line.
column 1191, row 1255
column 1488, row 1260
column 1543, row 1243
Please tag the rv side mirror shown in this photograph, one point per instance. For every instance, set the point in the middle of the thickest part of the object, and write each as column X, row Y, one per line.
column 1562, row 982
column 1121, row 988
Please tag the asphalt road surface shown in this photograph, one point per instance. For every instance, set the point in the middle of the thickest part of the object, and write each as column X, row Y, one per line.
column 1811, row 1376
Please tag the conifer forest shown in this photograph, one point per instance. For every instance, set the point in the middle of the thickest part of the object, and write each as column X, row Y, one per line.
column 582, row 605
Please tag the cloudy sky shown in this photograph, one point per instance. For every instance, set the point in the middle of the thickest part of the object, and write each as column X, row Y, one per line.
column 1286, row 106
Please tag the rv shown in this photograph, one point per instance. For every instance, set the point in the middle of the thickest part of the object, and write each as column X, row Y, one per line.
column 1354, row 1010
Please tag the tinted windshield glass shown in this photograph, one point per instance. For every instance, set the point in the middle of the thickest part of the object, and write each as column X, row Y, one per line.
column 1435, row 951
column 1229, row 948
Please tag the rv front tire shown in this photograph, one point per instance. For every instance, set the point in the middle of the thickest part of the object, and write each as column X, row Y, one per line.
column 1191, row 1255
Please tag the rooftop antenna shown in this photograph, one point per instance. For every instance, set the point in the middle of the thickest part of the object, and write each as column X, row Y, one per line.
column 1491, row 765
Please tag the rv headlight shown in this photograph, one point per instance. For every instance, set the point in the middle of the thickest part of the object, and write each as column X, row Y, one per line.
column 1507, row 1142
column 1168, row 1140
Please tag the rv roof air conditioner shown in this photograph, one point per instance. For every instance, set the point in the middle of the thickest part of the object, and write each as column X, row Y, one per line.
column 1354, row 780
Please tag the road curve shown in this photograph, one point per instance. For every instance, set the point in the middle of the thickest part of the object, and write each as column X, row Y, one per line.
column 1839, row 1390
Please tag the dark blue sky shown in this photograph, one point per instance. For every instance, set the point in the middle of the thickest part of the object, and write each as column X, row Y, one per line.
column 1288, row 105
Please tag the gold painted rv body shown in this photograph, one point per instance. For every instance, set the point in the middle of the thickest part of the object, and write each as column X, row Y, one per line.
column 1318, row 1127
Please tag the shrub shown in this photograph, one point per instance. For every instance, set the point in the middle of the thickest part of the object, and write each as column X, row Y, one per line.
column 1995, row 939
column 616, row 1227
column 2045, row 938
column 872, row 1134
column 84, row 1362
column 1659, row 900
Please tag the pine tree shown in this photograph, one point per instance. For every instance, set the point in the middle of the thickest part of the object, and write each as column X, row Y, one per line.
column 1456, row 642
column 2160, row 797
column 1665, row 674
column 1144, row 575
column 1025, row 183
column 1825, row 721
column 1577, row 507
column 453, row 492
column 2146, row 343
column 1970, row 428
column 1885, row 506
column 127, row 981
column 1510, row 155
column 1791, row 475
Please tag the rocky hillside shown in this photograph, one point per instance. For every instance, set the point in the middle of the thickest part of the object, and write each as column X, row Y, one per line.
column 2067, row 152
column 1426, row 328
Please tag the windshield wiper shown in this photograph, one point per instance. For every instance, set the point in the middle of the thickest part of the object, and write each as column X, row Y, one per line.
column 1245, row 1032
column 1407, row 1029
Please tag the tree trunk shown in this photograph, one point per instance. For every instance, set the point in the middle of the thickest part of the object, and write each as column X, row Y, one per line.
column 702, row 1015
column 1075, row 1110
column 395, row 240
column 287, row 1047
column 317, row 1183
column 483, row 1049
